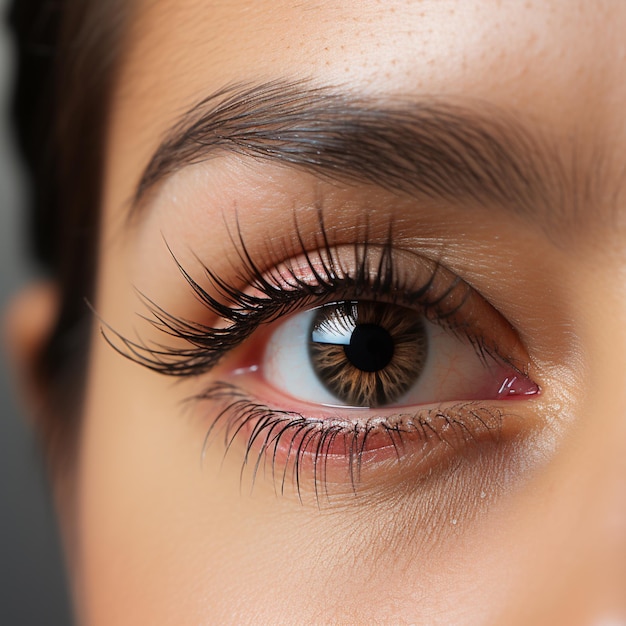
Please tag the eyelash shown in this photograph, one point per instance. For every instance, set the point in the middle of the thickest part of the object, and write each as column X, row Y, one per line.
column 268, row 296
column 282, row 294
column 459, row 425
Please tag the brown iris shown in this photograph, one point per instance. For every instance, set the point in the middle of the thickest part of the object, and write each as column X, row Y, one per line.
column 367, row 353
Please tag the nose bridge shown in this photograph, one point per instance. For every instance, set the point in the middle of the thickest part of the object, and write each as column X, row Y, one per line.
column 611, row 480
column 580, row 537
column 603, row 505
column 593, row 466
column 603, row 437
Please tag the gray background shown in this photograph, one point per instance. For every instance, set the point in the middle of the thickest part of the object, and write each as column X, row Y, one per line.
column 32, row 585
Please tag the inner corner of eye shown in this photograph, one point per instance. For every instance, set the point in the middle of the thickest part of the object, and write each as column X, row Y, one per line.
column 373, row 354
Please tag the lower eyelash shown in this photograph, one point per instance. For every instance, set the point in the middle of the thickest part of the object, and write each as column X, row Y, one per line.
column 299, row 449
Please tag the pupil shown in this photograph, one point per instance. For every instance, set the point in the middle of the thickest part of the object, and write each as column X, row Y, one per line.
column 370, row 349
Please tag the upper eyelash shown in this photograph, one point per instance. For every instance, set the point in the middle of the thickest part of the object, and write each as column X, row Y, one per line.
column 282, row 292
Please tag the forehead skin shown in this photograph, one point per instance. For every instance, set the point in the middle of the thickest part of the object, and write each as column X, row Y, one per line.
column 161, row 544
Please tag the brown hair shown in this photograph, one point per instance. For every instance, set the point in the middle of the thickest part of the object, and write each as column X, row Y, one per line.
column 66, row 58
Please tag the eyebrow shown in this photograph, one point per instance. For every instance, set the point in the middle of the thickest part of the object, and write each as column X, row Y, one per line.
column 431, row 148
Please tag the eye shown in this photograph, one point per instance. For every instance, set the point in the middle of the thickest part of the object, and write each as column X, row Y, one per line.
column 338, row 357
column 375, row 354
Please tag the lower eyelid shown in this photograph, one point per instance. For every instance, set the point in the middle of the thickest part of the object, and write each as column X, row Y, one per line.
column 328, row 452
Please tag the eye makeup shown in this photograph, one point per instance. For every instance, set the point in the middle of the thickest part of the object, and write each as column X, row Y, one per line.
column 387, row 295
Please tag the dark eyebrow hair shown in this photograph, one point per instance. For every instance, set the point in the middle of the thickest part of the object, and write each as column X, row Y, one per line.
column 431, row 148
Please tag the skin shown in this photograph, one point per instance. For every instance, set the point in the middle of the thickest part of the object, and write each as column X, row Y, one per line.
column 528, row 529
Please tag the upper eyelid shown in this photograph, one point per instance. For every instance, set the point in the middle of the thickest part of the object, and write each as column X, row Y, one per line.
column 205, row 345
